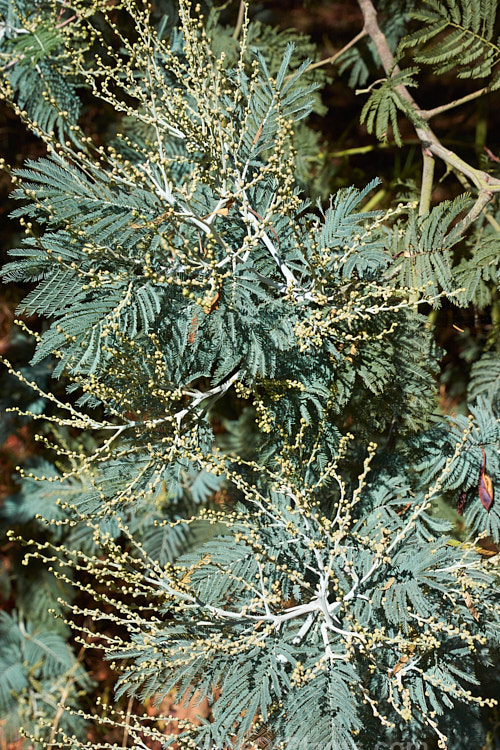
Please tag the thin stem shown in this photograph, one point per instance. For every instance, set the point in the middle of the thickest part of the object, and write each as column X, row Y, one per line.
column 375, row 200
column 492, row 221
column 427, row 182
column 240, row 19
column 126, row 728
column 426, row 114
column 214, row 394
column 333, row 58
column 482, row 201
column 485, row 183
column 392, row 144
column 371, row 147
column 251, row 219
column 64, row 696
column 65, row 23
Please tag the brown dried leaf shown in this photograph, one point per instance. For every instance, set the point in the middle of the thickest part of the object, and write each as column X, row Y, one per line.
column 486, row 491
column 470, row 606
column 192, row 329
column 404, row 660
column 485, row 486
column 213, row 303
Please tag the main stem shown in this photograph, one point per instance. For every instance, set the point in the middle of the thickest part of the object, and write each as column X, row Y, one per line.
column 485, row 183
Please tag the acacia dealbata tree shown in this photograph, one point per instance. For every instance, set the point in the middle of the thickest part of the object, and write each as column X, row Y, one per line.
column 245, row 468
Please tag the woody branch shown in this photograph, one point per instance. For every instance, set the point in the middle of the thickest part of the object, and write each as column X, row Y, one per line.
column 486, row 185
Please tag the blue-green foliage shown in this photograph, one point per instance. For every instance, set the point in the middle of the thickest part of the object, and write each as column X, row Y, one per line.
column 467, row 441
column 33, row 61
column 458, row 36
column 477, row 275
column 423, row 255
column 385, row 101
column 273, row 668
column 184, row 278
column 360, row 61
column 37, row 670
column 485, row 380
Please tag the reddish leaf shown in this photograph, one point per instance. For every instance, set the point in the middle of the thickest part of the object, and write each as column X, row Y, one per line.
column 485, row 486
column 192, row 329
column 470, row 606
column 462, row 499
column 486, row 491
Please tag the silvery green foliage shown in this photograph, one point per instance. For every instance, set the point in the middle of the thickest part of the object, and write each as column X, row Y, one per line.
column 37, row 670
column 183, row 275
column 32, row 59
